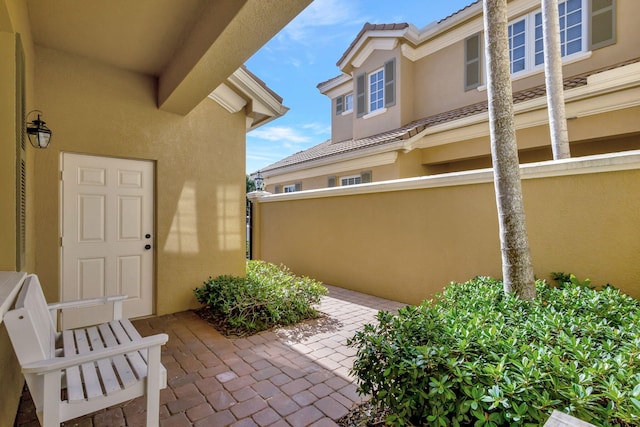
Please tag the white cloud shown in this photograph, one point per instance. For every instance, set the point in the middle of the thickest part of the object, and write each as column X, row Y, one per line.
column 279, row 133
column 319, row 14
column 318, row 128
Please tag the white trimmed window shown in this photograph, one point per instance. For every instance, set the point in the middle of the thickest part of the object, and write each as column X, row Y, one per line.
column 351, row 180
column 344, row 104
column 364, row 178
column 525, row 35
column 376, row 90
column 348, row 103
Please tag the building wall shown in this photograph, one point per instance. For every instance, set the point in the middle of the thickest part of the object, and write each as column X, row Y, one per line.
column 13, row 20
column 391, row 118
column 407, row 243
column 199, row 158
column 342, row 124
column 439, row 77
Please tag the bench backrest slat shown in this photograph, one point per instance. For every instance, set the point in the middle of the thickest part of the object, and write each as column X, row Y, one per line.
column 29, row 325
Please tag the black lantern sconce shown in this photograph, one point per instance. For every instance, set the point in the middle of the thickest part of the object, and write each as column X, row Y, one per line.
column 259, row 181
column 39, row 135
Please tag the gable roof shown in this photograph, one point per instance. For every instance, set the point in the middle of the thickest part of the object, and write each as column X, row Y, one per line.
column 329, row 149
column 371, row 27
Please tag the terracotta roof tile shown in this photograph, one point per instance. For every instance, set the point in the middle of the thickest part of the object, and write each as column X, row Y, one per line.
column 263, row 84
column 328, row 149
column 319, row 85
column 458, row 11
column 371, row 27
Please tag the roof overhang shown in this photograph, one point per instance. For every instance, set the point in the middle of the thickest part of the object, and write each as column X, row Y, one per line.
column 190, row 46
column 242, row 91
column 610, row 90
column 606, row 91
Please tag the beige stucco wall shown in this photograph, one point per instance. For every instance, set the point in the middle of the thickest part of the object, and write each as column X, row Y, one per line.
column 439, row 77
column 199, row 158
column 406, row 245
column 391, row 119
column 13, row 20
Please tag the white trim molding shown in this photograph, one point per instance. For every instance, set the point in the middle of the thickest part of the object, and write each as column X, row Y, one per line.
column 333, row 167
column 611, row 162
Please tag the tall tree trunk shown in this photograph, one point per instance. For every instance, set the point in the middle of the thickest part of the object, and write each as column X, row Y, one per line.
column 553, row 80
column 516, row 260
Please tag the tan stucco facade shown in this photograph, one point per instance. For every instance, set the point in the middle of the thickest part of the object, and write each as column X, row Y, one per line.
column 406, row 239
column 135, row 86
column 430, row 83
column 106, row 111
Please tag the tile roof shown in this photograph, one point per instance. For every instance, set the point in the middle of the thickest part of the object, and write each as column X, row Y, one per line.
column 458, row 11
column 263, row 84
column 371, row 27
column 328, row 148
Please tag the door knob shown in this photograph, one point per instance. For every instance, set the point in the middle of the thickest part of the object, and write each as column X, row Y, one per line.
column 147, row 236
column 147, row 247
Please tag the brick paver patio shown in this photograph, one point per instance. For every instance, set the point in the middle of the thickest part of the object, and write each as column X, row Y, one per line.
column 295, row 376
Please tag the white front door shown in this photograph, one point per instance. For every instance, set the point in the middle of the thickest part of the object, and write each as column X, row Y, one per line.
column 107, row 235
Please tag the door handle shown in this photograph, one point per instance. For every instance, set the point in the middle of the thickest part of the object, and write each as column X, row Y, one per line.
column 147, row 247
column 147, row 236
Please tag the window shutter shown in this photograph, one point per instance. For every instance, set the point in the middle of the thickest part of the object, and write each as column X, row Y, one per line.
column 298, row 186
column 365, row 177
column 331, row 181
column 390, row 83
column 21, row 158
column 472, row 62
column 602, row 23
column 361, row 101
column 339, row 105
column 278, row 189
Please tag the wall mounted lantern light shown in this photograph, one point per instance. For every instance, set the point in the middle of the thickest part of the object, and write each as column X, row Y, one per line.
column 259, row 181
column 39, row 134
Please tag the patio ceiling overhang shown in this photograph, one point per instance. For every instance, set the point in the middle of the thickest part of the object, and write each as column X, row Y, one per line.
column 190, row 46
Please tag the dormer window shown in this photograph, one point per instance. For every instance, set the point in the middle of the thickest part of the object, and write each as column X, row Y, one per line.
column 344, row 104
column 348, row 103
column 377, row 90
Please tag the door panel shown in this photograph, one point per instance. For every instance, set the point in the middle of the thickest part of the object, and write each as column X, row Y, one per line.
column 107, row 212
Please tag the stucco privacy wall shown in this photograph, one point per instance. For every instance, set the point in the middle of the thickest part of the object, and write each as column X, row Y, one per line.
column 199, row 158
column 406, row 239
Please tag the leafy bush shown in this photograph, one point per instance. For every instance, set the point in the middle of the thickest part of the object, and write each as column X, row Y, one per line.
column 270, row 295
column 475, row 356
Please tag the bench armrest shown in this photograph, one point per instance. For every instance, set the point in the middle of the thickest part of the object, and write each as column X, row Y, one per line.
column 89, row 302
column 86, row 302
column 59, row 363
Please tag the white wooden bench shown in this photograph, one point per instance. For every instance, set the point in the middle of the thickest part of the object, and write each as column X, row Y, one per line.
column 76, row 372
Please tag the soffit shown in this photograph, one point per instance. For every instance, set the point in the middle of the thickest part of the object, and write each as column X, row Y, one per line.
column 191, row 46
column 138, row 35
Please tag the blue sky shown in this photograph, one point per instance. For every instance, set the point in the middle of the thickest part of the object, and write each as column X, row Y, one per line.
column 305, row 53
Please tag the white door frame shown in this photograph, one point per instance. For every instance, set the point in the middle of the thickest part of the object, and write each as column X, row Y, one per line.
column 116, row 171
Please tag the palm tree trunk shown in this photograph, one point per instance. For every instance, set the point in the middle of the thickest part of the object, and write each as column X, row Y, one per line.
column 553, row 80
column 516, row 260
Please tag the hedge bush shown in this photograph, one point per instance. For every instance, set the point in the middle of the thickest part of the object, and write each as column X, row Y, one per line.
column 268, row 296
column 475, row 356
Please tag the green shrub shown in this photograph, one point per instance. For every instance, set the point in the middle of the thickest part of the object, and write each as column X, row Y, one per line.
column 475, row 356
column 270, row 295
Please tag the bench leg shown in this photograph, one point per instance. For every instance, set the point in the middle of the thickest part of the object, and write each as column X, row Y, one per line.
column 51, row 403
column 153, row 387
